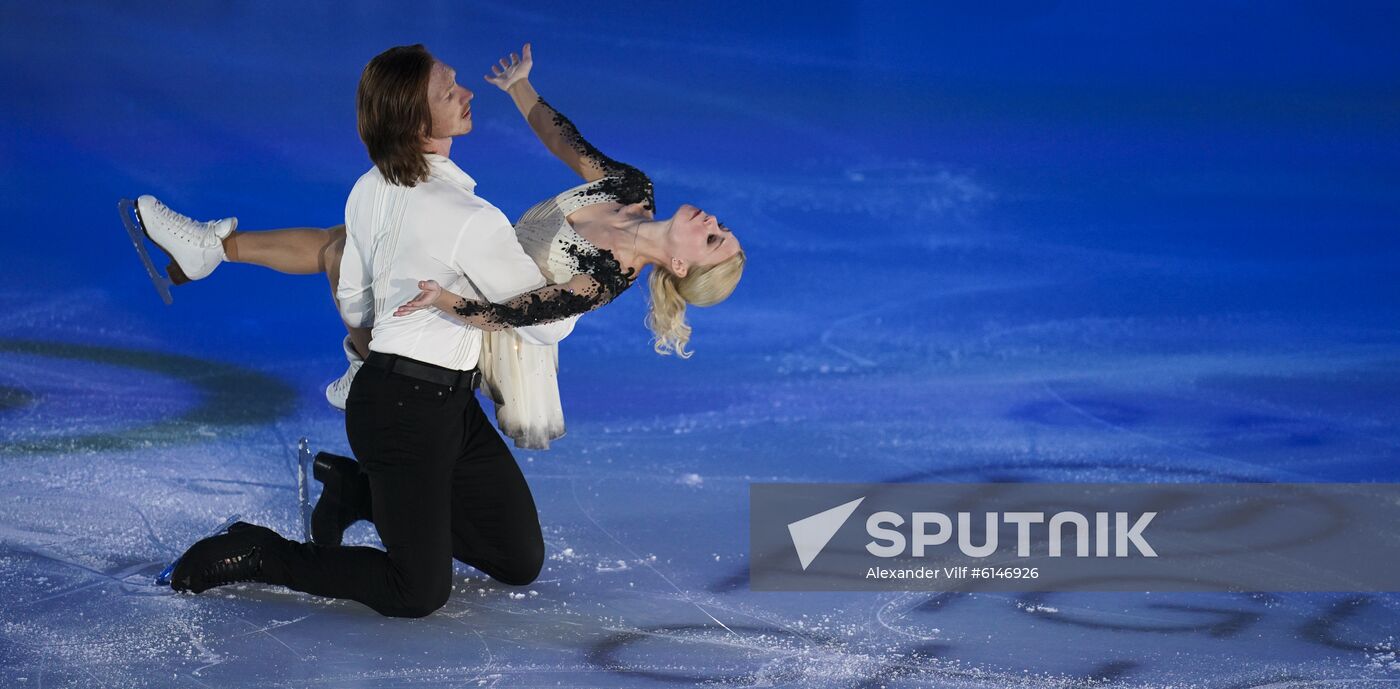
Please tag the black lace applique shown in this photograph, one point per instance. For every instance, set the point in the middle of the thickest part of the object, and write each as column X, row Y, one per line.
column 532, row 308
column 628, row 186
column 603, row 267
column 625, row 183
column 555, row 302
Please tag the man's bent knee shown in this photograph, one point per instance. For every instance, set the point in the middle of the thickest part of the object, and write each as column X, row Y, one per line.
column 415, row 610
column 525, row 568
column 418, row 604
column 420, row 596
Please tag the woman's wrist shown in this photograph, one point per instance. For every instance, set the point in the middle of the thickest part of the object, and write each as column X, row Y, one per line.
column 524, row 96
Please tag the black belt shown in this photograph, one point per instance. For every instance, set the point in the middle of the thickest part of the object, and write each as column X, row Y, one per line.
column 422, row 371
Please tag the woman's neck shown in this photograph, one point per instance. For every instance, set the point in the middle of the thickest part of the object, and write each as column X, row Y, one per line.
column 637, row 241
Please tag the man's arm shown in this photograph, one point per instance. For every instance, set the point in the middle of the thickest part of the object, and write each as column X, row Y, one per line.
column 488, row 253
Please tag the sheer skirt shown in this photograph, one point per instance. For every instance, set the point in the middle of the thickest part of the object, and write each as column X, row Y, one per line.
column 522, row 379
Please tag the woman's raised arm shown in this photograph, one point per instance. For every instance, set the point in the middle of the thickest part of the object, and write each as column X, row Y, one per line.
column 554, row 130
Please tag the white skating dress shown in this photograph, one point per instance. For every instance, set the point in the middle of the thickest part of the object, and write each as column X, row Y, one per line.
column 521, row 378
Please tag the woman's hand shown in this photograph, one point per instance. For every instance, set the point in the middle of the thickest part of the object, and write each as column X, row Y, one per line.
column 430, row 291
column 505, row 74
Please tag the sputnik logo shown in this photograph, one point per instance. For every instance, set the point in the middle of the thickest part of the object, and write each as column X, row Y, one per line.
column 812, row 534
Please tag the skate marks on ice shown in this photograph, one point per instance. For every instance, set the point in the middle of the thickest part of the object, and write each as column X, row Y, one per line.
column 611, row 636
column 972, row 640
column 582, row 626
column 957, row 639
column 63, row 397
column 1142, row 639
column 490, row 646
column 1137, row 639
column 48, row 564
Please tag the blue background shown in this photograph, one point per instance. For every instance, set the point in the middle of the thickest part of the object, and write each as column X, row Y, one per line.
column 1029, row 241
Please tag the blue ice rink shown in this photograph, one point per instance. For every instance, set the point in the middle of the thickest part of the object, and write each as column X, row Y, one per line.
column 1043, row 242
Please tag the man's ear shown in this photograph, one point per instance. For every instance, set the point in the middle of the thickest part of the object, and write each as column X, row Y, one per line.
column 679, row 267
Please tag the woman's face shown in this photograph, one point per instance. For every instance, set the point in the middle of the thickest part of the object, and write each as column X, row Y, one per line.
column 697, row 239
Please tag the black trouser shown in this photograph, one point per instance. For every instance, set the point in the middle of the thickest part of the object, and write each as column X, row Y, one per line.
column 443, row 485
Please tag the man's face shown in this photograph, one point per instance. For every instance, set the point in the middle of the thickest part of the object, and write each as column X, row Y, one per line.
column 449, row 103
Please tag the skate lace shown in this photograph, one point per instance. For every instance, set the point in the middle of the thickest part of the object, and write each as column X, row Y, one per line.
column 234, row 568
column 184, row 225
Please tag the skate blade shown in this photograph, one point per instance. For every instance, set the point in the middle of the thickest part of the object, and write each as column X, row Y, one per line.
column 131, row 219
column 163, row 579
column 304, row 460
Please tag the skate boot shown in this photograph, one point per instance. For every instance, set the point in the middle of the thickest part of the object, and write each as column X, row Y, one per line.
column 344, row 497
column 339, row 389
column 233, row 556
column 195, row 248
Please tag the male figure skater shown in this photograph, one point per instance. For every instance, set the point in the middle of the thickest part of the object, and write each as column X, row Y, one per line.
column 443, row 484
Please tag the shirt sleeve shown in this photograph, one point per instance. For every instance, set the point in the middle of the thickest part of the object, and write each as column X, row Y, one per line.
column 353, row 293
column 488, row 253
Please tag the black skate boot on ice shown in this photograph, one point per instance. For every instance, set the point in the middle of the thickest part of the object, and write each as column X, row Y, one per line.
column 344, row 497
column 233, row 556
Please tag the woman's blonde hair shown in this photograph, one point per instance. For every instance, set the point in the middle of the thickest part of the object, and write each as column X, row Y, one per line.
column 701, row 286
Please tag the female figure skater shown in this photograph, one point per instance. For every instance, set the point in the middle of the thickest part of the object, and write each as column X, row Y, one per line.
column 591, row 242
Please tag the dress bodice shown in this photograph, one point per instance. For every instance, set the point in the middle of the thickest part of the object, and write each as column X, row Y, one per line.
column 582, row 276
column 560, row 252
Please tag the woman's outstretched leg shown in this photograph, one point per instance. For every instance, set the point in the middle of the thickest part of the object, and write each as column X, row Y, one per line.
column 293, row 250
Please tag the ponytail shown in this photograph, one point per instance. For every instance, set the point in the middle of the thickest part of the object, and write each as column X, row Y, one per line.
column 702, row 286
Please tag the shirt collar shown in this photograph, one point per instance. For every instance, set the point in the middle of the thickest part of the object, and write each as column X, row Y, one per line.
column 444, row 167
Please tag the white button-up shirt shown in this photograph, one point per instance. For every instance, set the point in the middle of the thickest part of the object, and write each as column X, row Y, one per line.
column 437, row 230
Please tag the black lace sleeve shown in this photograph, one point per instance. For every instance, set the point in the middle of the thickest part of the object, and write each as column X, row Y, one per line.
column 599, row 281
column 624, row 182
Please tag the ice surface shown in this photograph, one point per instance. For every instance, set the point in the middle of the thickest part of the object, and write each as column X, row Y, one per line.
column 1040, row 245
